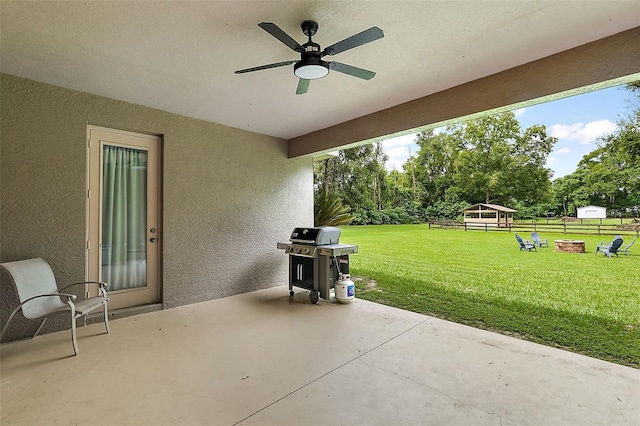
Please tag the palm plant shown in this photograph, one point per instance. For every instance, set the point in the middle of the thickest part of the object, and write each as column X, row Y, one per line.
column 329, row 211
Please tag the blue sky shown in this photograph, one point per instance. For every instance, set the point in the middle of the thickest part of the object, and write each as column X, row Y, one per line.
column 576, row 121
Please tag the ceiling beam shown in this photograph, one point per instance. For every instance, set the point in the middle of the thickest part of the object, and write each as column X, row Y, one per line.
column 610, row 58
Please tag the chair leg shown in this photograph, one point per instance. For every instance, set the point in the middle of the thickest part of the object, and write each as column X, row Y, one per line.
column 74, row 340
column 106, row 317
column 6, row 325
column 39, row 328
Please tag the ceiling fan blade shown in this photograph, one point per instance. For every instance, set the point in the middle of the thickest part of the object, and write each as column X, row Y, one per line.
column 351, row 70
column 366, row 36
column 264, row 67
column 275, row 31
column 303, row 85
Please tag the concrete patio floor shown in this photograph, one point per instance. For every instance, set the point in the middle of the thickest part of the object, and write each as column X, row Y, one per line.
column 264, row 358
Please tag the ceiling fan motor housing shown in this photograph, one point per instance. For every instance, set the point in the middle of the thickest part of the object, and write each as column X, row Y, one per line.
column 309, row 28
column 310, row 67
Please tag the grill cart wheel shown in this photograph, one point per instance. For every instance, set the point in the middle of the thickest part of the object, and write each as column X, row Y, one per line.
column 313, row 296
column 290, row 292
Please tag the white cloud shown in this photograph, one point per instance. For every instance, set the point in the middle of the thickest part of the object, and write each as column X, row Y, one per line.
column 583, row 133
column 518, row 112
column 598, row 128
column 399, row 141
column 397, row 149
column 563, row 131
column 563, row 151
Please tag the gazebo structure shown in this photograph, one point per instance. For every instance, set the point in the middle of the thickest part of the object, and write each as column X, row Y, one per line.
column 488, row 215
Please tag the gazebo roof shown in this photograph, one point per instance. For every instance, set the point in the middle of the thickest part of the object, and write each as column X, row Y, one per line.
column 492, row 207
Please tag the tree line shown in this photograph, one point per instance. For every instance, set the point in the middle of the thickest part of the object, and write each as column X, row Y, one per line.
column 490, row 159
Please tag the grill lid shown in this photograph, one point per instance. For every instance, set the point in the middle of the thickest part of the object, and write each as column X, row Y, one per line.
column 318, row 236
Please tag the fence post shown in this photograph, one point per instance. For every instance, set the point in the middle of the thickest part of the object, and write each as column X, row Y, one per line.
column 465, row 226
column 486, row 227
column 564, row 225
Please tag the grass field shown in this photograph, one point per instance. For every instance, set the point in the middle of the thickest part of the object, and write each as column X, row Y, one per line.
column 579, row 302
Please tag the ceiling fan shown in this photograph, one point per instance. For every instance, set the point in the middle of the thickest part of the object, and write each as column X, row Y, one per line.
column 311, row 66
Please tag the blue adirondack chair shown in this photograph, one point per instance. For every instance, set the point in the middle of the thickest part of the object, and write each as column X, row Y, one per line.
column 525, row 244
column 625, row 248
column 611, row 248
column 537, row 241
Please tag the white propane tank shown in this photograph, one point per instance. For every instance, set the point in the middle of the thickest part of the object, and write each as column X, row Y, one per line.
column 345, row 289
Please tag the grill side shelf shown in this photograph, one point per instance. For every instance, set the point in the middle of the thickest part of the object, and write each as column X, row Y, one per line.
column 337, row 250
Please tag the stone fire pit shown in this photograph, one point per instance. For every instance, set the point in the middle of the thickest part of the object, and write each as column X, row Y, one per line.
column 570, row 246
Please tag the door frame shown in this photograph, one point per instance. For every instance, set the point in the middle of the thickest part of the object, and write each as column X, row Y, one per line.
column 127, row 297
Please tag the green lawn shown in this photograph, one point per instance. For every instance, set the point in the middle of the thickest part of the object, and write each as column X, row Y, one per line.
column 580, row 302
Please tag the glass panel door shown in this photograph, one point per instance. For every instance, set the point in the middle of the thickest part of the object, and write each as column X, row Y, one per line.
column 124, row 217
column 124, row 233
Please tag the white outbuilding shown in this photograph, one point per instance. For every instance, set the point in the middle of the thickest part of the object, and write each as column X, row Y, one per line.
column 592, row 212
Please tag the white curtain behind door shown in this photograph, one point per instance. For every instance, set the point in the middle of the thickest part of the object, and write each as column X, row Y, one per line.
column 124, row 217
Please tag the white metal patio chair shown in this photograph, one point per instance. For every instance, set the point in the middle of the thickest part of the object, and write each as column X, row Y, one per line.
column 39, row 296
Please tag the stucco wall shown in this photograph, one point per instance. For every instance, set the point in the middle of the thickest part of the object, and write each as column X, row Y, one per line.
column 228, row 195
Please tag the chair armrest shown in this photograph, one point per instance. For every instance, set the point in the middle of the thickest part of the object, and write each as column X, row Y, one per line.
column 67, row 295
column 102, row 285
column 70, row 298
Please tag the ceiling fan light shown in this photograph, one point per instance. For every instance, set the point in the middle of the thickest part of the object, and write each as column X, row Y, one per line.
column 311, row 70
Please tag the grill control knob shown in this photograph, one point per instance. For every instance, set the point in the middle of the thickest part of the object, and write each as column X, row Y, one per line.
column 307, row 251
column 298, row 250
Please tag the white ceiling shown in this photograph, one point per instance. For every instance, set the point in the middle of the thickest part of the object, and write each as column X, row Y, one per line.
column 179, row 56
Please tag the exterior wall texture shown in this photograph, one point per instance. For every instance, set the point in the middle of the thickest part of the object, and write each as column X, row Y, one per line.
column 228, row 195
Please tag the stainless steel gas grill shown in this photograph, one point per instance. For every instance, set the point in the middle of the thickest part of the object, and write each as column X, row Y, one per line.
column 316, row 259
